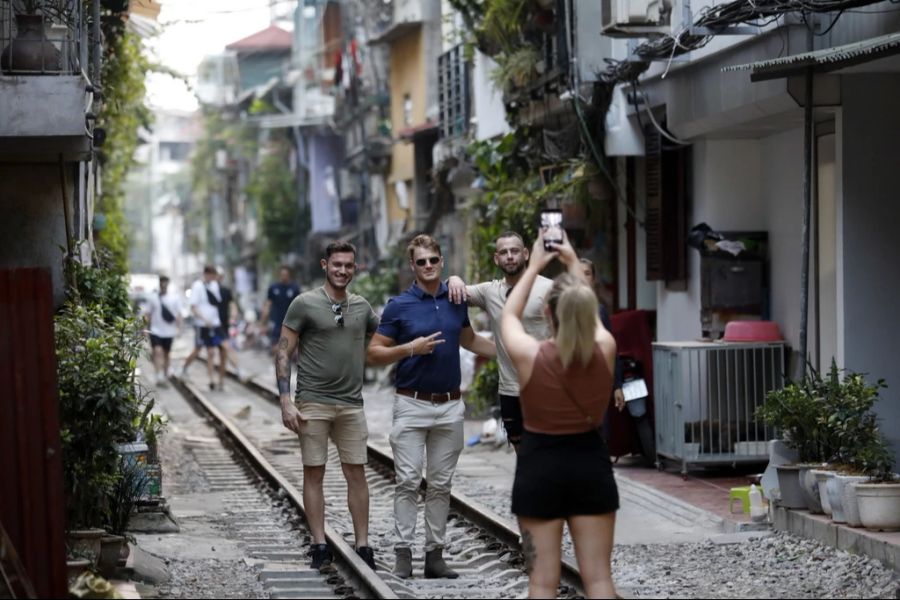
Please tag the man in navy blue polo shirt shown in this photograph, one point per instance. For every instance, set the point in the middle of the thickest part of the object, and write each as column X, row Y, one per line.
column 423, row 330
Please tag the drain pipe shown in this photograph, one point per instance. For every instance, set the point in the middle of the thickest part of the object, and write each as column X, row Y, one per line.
column 97, row 45
column 808, row 125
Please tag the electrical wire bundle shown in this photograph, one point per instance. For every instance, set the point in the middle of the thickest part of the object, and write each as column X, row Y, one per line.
column 756, row 13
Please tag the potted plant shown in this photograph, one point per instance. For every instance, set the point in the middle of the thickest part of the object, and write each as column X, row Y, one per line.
column 798, row 411
column 30, row 51
column 123, row 496
column 853, row 433
column 98, row 341
column 879, row 497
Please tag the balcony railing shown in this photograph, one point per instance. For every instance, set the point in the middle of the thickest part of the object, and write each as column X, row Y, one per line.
column 42, row 37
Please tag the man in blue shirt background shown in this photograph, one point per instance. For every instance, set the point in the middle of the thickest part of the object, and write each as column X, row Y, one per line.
column 423, row 330
column 279, row 298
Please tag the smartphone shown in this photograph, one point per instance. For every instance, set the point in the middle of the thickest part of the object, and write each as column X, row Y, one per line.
column 551, row 226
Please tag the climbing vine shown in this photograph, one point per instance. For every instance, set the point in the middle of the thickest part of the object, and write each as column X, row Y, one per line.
column 514, row 192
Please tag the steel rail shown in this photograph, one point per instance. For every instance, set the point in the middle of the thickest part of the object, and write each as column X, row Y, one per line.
column 371, row 583
column 503, row 529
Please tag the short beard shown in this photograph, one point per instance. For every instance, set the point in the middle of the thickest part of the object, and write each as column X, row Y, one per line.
column 515, row 270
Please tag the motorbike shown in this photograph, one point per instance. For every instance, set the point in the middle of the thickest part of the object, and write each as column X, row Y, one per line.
column 634, row 388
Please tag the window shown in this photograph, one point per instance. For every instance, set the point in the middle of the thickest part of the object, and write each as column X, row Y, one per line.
column 453, row 92
column 407, row 110
column 668, row 190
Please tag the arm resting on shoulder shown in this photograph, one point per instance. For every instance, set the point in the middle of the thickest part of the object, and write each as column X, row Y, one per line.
column 478, row 344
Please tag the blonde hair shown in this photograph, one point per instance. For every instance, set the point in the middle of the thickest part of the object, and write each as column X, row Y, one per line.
column 574, row 309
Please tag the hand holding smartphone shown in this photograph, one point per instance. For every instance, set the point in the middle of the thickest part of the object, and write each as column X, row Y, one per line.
column 551, row 227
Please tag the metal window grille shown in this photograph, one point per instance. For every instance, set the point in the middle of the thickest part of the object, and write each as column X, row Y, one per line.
column 53, row 33
column 706, row 396
column 453, row 92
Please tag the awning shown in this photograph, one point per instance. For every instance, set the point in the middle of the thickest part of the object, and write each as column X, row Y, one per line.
column 823, row 61
column 394, row 32
column 416, row 132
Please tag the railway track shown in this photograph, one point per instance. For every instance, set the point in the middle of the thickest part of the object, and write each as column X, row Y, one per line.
column 482, row 546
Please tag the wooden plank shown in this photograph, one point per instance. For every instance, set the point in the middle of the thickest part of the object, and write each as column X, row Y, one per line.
column 32, row 466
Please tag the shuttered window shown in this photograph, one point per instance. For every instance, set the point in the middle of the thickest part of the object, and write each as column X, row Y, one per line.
column 668, row 184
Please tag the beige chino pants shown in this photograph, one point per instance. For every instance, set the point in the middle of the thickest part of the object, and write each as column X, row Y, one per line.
column 422, row 430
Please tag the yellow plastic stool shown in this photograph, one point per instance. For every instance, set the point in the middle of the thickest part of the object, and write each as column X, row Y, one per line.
column 743, row 495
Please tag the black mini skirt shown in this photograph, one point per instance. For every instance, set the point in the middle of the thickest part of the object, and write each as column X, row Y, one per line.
column 560, row 476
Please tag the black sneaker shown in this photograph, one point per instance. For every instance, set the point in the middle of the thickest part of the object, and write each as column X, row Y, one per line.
column 321, row 556
column 368, row 556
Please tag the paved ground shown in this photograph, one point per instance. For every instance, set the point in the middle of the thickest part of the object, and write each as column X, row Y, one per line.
column 665, row 546
column 486, row 470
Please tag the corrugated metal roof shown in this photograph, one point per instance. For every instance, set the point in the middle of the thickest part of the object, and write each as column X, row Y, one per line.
column 827, row 59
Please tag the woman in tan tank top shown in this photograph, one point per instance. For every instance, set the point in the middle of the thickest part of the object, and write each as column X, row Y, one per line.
column 563, row 471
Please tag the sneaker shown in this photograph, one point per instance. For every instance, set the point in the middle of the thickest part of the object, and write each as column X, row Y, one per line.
column 368, row 555
column 321, row 556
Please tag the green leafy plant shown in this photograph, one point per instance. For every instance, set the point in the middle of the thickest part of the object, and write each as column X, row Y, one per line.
column 513, row 193
column 483, row 393
column 101, row 286
column 376, row 286
column 150, row 426
column 515, row 69
column 96, row 356
column 129, row 486
column 123, row 112
column 830, row 419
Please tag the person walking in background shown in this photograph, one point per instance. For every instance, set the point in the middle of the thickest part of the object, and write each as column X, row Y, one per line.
column 163, row 315
column 206, row 297
column 278, row 299
column 589, row 272
column 332, row 328
column 423, row 330
column 511, row 256
column 225, row 312
column 563, row 472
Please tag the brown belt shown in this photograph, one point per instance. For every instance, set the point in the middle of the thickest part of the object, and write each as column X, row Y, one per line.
column 434, row 397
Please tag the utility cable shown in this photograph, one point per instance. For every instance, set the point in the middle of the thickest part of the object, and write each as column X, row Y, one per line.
column 656, row 124
column 620, row 197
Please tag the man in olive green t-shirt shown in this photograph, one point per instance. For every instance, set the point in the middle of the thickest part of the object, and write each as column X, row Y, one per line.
column 332, row 328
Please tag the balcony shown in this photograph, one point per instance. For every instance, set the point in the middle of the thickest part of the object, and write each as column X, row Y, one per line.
column 44, row 94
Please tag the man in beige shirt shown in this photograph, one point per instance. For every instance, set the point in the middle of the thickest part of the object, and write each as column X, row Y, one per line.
column 511, row 256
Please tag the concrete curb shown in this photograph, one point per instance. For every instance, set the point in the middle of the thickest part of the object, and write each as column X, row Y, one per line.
column 821, row 529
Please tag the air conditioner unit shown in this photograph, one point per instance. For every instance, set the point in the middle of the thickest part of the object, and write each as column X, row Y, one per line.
column 635, row 18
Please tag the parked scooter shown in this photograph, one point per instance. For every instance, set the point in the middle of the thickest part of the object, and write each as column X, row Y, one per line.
column 634, row 388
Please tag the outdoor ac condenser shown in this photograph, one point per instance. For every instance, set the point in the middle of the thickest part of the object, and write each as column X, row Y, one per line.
column 635, row 18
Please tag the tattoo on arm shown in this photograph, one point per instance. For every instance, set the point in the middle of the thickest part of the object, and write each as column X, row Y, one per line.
column 283, row 366
column 529, row 552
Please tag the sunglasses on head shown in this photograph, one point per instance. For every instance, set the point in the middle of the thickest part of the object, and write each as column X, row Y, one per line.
column 431, row 259
column 338, row 314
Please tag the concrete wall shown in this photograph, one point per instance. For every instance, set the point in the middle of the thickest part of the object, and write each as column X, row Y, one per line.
column 407, row 78
column 33, row 226
column 782, row 203
column 870, row 159
column 745, row 185
column 726, row 197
